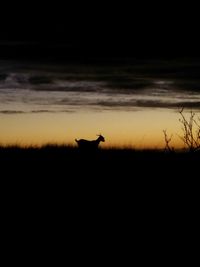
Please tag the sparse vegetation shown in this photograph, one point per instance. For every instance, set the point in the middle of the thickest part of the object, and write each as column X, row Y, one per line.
column 72, row 161
column 69, row 162
column 191, row 131
column 167, row 141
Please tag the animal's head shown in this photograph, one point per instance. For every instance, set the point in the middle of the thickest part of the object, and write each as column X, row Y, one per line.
column 101, row 138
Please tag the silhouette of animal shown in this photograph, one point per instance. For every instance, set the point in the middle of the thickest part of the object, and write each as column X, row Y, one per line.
column 90, row 144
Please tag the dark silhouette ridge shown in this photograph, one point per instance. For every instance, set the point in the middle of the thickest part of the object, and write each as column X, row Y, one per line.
column 90, row 144
column 133, row 164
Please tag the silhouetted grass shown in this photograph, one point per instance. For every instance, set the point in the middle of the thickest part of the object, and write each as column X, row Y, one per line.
column 67, row 183
column 57, row 159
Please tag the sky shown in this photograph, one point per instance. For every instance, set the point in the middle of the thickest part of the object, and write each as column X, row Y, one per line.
column 104, row 29
column 129, row 101
column 77, row 72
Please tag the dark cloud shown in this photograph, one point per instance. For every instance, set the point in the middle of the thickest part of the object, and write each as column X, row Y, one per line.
column 125, row 84
column 3, row 76
column 50, row 111
column 100, row 30
column 190, row 105
column 37, row 80
column 118, row 75
column 11, row 112
column 40, row 111
column 119, row 84
column 161, row 104
column 148, row 104
column 189, row 85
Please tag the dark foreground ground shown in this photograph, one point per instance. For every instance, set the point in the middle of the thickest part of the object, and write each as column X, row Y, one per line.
column 110, row 202
column 62, row 166
column 65, row 161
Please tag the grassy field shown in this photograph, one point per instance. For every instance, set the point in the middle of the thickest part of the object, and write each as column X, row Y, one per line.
column 64, row 174
column 150, row 194
column 62, row 177
column 69, row 160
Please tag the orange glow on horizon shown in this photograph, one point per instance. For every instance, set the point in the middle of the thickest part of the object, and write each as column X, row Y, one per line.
column 138, row 129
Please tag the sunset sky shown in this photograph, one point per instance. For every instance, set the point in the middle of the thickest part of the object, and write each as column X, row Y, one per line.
column 130, row 102
column 60, row 79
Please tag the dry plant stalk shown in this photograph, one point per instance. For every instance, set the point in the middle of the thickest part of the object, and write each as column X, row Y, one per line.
column 191, row 131
column 167, row 141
